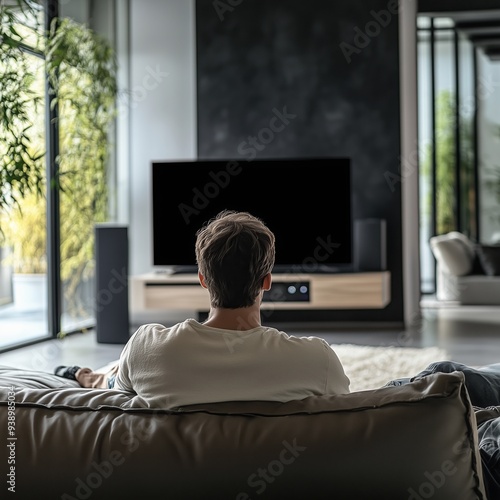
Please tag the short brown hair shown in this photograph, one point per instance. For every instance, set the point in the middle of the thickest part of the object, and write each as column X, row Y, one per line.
column 234, row 252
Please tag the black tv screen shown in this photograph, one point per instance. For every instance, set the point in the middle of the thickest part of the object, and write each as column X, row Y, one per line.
column 305, row 202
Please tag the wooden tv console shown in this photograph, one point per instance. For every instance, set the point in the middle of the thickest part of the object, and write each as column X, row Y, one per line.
column 363, row 290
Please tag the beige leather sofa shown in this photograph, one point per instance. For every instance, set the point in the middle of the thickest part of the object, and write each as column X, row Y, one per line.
column 409, row 442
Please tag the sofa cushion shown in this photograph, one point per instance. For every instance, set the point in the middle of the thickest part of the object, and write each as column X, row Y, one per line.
column 413, row 441
column 54, row 391
column 454, row 252
column 478, row 290
column 489, row 256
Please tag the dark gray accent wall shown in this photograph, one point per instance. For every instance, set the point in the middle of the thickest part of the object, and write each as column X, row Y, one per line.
column 334, row 66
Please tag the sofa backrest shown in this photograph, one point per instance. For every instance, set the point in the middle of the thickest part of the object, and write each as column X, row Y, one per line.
column 409, row 442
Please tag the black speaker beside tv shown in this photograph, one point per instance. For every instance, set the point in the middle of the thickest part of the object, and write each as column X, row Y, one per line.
column 370, row 241
column 112, row 269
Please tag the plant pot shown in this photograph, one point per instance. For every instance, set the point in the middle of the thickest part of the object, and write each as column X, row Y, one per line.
column 5, row 279
column 30, row 292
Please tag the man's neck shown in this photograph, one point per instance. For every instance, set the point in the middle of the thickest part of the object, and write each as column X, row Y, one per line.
column 243, row 318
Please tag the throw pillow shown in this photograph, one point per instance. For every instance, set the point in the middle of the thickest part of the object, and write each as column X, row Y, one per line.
column 489, row 255
column 452, row 253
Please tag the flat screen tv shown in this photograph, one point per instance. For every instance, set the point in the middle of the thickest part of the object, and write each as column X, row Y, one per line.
column 305, row 202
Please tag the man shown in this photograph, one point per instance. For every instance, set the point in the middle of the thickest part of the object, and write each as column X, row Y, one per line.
column 230, row 356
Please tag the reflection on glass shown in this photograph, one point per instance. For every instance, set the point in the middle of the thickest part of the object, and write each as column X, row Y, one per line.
column 443, row 22
column 445, row 135
column 489, row 149
column 85, row 119
column 467, row 157
column 425, row 148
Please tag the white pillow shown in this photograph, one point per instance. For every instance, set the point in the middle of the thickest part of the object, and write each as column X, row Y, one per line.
column 454, row 252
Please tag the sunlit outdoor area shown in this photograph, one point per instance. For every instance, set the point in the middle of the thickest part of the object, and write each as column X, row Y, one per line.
column 447, row 150
column 23, row 261
column 70, row 144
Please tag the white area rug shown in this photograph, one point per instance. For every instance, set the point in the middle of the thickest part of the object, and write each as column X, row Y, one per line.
column 371, row 367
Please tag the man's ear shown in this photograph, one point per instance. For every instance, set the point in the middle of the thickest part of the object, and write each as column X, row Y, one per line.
column 266, row 282
column 202, row 280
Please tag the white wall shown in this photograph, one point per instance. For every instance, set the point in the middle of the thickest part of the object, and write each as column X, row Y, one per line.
column 161, row 106
column 162, row 121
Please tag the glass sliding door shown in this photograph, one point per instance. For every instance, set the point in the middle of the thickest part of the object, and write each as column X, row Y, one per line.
column 467, row 156
column 489, row 148
column 23, row 242
column 86, row 116
column 47, row 265
column 426, row 140
column 447, row 135
column 445, row 127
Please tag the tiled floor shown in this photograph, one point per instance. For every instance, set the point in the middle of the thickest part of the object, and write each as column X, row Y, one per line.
column 470, row 335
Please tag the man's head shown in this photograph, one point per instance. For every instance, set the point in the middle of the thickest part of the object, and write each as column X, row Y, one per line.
column 234, row 252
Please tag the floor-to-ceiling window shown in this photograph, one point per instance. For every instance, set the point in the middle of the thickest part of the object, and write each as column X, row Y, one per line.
column 85, row 148
column 488, row 125
column 447, row 137
column 47, row 250
column 23, row 259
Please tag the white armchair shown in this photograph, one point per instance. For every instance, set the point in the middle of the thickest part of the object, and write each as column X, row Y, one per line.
column 460, row 276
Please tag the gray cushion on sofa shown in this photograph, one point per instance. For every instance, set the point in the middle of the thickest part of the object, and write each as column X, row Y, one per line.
column 388, row 443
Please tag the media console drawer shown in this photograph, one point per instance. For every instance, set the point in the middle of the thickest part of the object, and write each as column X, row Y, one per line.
column 314, row 291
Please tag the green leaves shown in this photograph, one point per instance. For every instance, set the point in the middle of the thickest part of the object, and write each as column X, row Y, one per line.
column 21, row 167
column 81, row 68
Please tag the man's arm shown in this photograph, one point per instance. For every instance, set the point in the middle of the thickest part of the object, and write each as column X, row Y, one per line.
column 123, row 380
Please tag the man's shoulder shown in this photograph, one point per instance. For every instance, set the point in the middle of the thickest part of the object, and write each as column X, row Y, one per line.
column 306, row 340
column 149, row 330
column 148, row 327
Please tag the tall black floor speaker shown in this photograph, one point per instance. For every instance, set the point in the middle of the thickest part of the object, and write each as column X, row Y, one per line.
column 111, row 301
column 370, row 241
